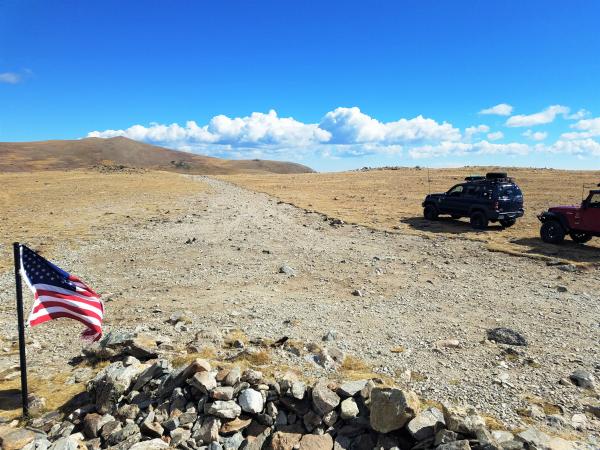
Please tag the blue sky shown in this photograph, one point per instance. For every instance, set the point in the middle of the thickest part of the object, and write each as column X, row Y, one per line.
column 335, row 85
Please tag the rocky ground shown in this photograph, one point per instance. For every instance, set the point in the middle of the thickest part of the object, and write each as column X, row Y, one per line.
column 238, row 270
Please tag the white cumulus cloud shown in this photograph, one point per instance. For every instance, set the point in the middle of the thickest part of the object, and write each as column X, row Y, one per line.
column 463, row 148
column 350, row 125
column 257, row 129
column 474, row 130
column 587, row 128
column 349, row 132
column 502, row 109
column 546, row 116
column 10, row 77
column 579, row 147
column 536, row 136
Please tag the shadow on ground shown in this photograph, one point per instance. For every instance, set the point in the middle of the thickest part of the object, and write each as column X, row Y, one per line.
column 446, row 225
column 567, row 250
column 10, row 399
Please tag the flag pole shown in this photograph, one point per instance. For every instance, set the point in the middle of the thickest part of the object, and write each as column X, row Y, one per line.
column 23, row 362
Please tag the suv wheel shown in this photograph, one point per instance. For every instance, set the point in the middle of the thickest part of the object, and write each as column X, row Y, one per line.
column 506, row 223
column 479, row 221
column 580, row 237
column 552, row 232
column 430, row 212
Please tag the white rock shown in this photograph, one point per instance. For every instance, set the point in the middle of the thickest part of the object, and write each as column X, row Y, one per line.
column 251, row 401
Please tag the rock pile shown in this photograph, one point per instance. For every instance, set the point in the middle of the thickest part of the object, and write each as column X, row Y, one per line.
column 146, row 406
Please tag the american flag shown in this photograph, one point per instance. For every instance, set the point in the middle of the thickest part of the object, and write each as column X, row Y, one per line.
column 59, row 294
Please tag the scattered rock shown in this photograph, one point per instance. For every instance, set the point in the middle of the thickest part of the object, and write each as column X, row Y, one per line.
column 287, row 270
column 583, row 379
column 506, row 336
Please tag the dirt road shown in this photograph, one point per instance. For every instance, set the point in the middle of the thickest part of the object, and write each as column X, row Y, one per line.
column 415, row 291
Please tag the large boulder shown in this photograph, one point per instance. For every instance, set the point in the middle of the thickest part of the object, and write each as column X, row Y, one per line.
column 349, row 409
column 324, row 399
column 112, row 382
column 178, row 377
column 117, row 343
column 154, row 444
column 223, row 409
column 15, row 438
column 392, row 408
column 426, row 424
column 536, row 439
column 285, row 441
column 208, row 431
column 251, row 401
column 463, row 420
column 316, row 442
column 156, row 370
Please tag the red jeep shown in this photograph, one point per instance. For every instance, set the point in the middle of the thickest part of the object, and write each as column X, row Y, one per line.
column 580, row 222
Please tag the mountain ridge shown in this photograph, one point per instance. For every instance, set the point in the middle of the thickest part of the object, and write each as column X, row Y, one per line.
column 89, row 152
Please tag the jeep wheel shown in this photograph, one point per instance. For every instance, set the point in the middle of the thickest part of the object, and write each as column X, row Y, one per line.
column 479, row 221
column 507, row 223
column 552, row 232
column 430, row 212
column 580, row 237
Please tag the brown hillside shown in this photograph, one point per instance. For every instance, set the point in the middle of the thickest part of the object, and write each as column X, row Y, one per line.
column 89, row 152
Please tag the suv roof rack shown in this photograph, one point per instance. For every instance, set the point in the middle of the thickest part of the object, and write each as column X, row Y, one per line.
column 474, row 178
column 498, row 177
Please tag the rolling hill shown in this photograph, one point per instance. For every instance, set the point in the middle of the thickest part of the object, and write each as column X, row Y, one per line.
column 121, row 151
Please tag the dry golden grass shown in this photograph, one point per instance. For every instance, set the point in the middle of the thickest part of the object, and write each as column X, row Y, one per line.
column 45, row 209
column 53, row 389
column 391, row 200
column 235, row 335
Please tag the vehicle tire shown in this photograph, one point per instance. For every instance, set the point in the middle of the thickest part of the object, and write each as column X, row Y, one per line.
column 479, row 221
column 430, row 212
column 580, row 237
column 507, row 223
column 552, row 232
column 455, row 216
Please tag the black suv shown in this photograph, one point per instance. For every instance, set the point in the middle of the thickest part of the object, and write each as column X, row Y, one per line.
column 493, row 198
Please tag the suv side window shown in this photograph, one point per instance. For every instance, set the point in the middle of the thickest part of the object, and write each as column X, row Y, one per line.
column 456, row 191
column 473, row 191
column 594, row 201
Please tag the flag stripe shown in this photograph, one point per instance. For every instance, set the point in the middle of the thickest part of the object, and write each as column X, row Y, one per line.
column 78, row 308
column 49, row 287
column 53, row 310
column 49, row 294
column 58, row 314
